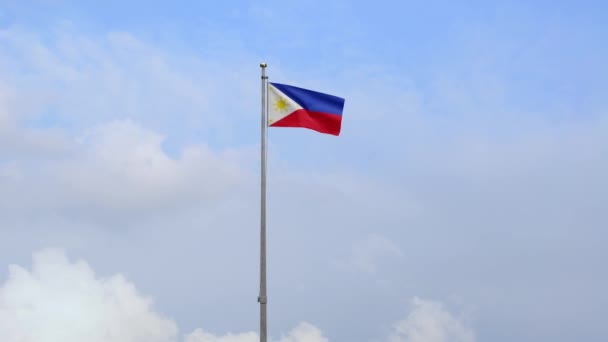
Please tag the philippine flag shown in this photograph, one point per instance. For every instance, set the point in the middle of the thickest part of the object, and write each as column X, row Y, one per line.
column 291, row 106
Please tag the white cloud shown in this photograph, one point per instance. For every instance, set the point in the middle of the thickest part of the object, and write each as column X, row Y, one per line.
column 78, row 83
column 59, row 300
column 429, row 321
column 120, row 168
column 123, row 166
column 304, row 332
column 199, row 335
column 63, row 301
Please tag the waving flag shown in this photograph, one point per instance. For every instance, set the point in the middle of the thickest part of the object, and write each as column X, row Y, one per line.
column 291, row 106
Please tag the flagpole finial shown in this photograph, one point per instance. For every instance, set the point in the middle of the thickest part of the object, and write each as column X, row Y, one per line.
column 263, row 65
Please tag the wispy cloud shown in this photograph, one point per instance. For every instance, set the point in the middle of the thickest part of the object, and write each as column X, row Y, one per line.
column 72, row 81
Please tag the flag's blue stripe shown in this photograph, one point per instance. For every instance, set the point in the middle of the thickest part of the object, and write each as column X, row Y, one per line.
column 312, row 100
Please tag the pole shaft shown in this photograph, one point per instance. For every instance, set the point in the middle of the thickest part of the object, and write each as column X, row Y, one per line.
column 262, row 299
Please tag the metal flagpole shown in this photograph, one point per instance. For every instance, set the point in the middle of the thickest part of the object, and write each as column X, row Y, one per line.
column 262, row 299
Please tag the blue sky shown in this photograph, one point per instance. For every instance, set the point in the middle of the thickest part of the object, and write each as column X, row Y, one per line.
column 464, row 198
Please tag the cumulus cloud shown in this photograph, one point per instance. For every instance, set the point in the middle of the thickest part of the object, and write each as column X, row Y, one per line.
column 429, row 321
column 199, row 335
column 59, row 300
column 63, row 301
column 123, row 166
column 304, row 332
column 120, row 169
column 97, row 126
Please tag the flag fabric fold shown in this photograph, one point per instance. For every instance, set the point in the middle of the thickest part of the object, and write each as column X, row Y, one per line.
column 291, row 106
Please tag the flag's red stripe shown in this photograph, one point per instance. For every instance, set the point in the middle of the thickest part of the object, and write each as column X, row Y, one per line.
column 317, row 121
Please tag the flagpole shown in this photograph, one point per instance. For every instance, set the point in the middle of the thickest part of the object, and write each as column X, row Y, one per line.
column 262, row 299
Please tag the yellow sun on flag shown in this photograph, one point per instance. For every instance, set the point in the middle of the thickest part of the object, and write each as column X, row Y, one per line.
column 281, row 105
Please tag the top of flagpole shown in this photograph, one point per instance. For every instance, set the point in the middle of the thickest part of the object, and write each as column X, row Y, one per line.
column 263, row 65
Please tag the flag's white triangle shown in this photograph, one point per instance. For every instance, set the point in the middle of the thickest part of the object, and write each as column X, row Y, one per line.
column 279, row 105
